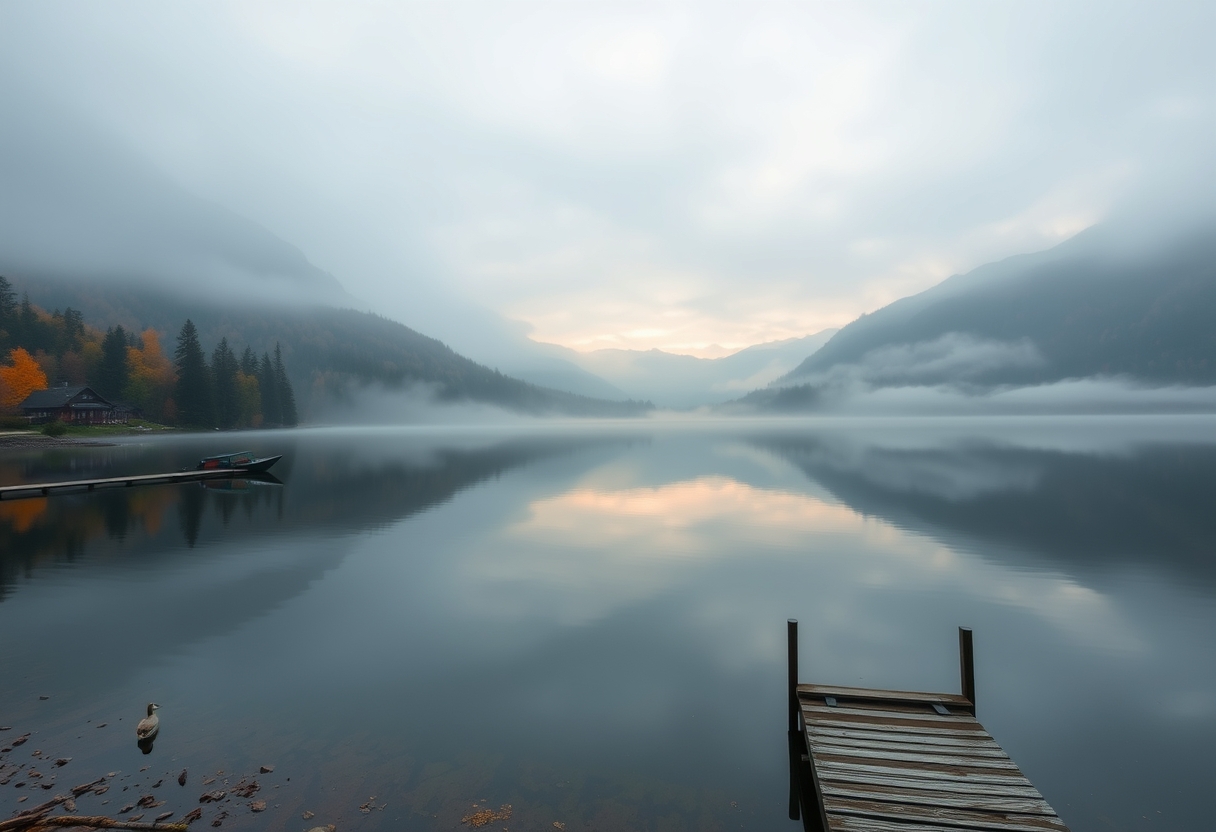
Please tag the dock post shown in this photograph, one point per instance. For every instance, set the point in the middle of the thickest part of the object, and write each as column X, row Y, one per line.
column 791, row 631
column 791, row 637
column 966, row 665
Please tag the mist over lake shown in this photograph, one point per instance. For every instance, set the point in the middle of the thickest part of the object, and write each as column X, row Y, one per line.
column 586, row 621
column 461, row 402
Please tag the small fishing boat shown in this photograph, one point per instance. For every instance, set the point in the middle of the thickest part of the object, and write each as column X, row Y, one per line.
column 243, row 460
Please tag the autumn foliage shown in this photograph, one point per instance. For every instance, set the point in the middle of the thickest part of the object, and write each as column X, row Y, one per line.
column 151, row 376
column 20, row 377
column 235, row 392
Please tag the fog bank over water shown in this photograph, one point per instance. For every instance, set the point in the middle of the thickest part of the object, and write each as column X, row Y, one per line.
column 417, row 404
column 1096, row 396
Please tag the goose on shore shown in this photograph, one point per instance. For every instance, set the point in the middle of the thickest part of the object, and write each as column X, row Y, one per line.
column 149, row 725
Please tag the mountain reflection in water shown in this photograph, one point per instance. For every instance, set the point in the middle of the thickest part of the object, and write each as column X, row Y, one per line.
column 586, row 623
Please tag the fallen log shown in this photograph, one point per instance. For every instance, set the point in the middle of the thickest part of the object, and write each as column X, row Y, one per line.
column 33, row 823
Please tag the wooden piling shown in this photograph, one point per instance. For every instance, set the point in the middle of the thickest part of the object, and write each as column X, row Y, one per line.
column 966, row 665
column 791, row 640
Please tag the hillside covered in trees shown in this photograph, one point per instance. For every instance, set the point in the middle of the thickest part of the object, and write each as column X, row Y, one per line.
column 327, row 353
column 227, row 391
column 1094, row 305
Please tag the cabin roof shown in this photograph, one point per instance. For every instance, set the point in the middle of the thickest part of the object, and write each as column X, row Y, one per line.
column 57, row 397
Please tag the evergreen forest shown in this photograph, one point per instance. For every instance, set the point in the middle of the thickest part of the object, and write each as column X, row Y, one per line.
column 228, row 389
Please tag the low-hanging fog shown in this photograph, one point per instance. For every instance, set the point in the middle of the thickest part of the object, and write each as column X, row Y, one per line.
column 690, row 178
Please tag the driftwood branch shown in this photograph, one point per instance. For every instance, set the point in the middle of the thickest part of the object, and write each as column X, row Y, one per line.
column 28, row 815
column 87, row 787
column 34, row 823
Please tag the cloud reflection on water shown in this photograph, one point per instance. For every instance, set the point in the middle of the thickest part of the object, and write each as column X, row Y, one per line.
column 585, row 553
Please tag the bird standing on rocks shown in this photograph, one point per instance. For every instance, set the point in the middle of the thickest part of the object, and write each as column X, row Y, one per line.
column 149, row 725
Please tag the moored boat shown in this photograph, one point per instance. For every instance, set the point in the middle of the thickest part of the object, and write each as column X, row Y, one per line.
column 242, row 460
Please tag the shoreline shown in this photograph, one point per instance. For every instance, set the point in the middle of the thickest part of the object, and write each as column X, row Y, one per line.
column 26, row 439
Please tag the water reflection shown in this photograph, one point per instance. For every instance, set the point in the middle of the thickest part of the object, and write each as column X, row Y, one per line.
column 1147, row 503
column 589, row 626
column 337, row 488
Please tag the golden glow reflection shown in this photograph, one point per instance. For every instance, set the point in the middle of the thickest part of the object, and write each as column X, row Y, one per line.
column 676, row 516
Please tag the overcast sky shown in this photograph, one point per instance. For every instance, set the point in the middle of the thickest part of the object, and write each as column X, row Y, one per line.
column 694, row 177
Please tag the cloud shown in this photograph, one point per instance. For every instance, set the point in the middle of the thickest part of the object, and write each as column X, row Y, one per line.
column 663, row 175
column 586, row 553
column 1111, row 396
column 954, row 357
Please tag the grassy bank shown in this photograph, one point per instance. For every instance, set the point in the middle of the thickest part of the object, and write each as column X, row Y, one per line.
column 134, row 427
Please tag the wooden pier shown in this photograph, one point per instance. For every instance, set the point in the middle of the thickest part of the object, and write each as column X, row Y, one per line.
column 866, row 760
column 45, row 489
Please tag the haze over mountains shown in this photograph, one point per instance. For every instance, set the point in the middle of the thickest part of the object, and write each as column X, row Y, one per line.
column 685, row 381
column 1098, row 306
column 77, row 205
column 89, row 223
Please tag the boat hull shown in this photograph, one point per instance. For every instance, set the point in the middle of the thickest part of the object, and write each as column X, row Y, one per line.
column 226, row 463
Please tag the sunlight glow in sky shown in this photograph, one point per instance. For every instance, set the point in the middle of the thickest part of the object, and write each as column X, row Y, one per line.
column 691, row 177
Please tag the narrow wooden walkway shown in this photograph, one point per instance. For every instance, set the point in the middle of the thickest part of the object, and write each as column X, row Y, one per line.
column 900, row 761
column 44, row 489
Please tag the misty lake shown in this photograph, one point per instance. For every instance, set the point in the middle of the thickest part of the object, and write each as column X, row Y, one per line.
column 587, row 621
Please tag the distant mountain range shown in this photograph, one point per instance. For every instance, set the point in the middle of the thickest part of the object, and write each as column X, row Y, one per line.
column 685, row 381
column 1092, row 306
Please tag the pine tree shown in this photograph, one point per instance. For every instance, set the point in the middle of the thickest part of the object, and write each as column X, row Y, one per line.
column 8, row 313
column 8, row 299
column 113, row 371
column 249, row 362
column 268, row 386
column 73, row 328
column 287, row 399
column 224, row 369
column 192, row 394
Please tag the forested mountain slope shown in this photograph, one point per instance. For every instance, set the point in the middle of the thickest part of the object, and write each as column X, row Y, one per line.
column 1091, row 306
column 329, row 351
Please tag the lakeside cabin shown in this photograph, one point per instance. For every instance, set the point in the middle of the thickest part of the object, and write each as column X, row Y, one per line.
column 80, row 405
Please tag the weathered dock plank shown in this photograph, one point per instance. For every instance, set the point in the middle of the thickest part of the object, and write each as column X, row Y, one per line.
column 861, row 735
column 985, row 802
column 916, row 744
column 878, row 767
column 899, row 780
column 912, row 754
column 904, row 761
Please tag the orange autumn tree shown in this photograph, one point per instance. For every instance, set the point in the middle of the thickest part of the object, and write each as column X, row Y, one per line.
column 19, row 378
column 150, row 375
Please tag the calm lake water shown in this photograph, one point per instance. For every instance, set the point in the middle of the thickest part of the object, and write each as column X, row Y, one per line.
column 587, row 622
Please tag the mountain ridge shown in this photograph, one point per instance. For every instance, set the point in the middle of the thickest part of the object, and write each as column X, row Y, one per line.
column 686, row 381
column 330, row 352
column 1086, row 307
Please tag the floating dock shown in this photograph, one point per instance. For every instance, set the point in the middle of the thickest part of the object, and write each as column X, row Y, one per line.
column 45, row 489
column 867, row 760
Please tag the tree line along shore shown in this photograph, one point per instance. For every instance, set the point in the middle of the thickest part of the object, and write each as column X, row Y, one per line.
column 229, row 390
